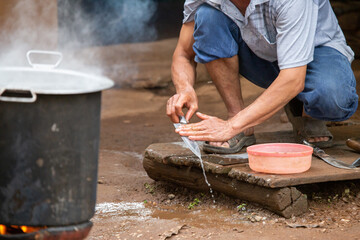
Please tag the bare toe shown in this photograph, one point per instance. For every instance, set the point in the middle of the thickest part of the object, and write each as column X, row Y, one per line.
column 318, row 139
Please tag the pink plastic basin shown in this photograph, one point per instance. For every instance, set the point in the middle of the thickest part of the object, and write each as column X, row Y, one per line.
column 280, row 158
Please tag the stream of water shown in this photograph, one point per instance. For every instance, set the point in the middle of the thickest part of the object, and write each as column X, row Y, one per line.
column 206, row 180
column 194, row 147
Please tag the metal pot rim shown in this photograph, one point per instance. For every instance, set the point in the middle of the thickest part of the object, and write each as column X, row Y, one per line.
column 51, row 81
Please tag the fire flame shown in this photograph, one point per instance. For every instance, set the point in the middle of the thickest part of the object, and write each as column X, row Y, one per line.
column 2, row 230
column 18, row 229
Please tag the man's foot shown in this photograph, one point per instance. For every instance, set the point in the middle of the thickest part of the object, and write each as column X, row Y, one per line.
column 234, row 145
column 318, row 139
column 314, row 139
column 307, row 128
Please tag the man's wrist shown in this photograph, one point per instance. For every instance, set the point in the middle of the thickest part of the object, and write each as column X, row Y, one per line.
column 235, row 124
column 185, row 88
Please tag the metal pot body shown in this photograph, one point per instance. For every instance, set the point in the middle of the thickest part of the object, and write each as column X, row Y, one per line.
column 48, row 160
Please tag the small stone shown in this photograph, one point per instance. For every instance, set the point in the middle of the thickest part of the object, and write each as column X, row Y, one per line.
column 168, row 201
column 171, row 196
column 100, row 181
column 323, row 230
column 127, row 121
column 345, row 199
column 345, row 220
column 258, row 218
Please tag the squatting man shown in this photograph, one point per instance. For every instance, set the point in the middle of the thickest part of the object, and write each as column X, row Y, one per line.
column 294, row 49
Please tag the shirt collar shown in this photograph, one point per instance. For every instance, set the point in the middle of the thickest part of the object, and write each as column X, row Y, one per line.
column 215, row 1
column 237, row 15
column 256, row 2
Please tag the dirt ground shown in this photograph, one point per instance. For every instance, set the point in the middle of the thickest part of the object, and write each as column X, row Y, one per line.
column 130, row 205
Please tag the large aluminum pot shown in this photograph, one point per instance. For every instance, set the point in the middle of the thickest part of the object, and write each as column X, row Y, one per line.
column 49, row 143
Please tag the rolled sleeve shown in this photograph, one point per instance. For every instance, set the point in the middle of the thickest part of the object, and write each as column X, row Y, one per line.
column 190, row 7
column 296, row 27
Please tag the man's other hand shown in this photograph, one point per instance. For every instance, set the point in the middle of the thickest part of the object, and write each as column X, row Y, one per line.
column 176, row 103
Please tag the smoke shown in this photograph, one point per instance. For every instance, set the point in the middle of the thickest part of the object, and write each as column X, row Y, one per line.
column 73, row 27
column 105, row 22
column 26, row 25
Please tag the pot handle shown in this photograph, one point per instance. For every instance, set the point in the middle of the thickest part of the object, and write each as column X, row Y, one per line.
column 18, row 98
column 41, row 65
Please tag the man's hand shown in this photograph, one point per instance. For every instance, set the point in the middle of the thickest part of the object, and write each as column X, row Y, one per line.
column 177, row 102
column 210, row 129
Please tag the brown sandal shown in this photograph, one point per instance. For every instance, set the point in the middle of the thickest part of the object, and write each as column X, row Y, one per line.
column 305, row 127
column 235, row 144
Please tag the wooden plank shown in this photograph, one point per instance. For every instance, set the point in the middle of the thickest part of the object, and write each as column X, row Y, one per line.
column 283, row 201
column 178, row 154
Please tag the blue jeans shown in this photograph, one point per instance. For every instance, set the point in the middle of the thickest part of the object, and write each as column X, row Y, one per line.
column 330, row 85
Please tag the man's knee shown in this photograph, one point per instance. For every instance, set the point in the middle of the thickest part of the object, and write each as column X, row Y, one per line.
column 330, row 87
column 333, row 103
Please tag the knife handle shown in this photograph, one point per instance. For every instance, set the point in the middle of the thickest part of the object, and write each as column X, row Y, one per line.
column 352, row 143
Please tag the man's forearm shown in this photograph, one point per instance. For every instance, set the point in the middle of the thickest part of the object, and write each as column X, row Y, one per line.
column 183, row 72
column 280, row 92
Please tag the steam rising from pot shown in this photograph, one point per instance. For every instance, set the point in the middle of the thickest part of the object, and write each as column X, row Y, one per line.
column 74, row 27
column 108, row 22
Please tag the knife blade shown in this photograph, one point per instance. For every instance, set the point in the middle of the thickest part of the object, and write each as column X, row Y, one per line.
column 329, row 159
